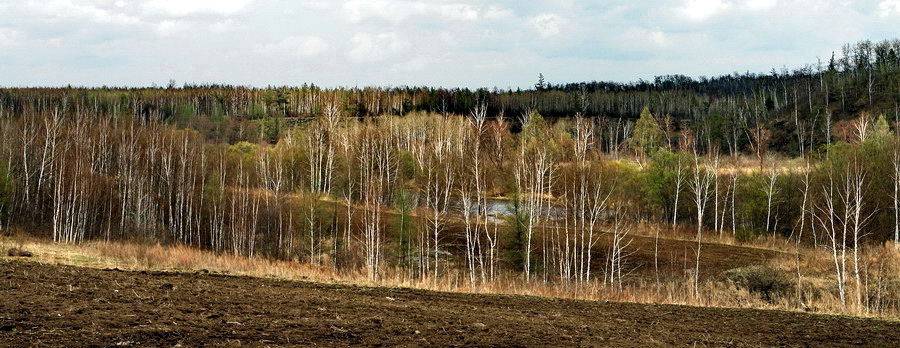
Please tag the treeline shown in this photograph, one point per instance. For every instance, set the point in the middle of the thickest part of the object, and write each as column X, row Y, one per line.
column 798, row 107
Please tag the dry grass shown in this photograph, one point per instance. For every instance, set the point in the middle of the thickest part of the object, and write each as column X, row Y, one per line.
column 687, row 233
column 815, row 285
column 131, row 256
column 816, row 292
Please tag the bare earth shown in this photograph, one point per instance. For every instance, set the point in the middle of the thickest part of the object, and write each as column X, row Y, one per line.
column 47, row 305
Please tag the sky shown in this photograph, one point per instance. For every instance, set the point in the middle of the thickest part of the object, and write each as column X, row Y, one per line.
column 457, row 43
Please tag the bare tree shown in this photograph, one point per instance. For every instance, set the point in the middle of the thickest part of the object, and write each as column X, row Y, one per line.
column 700, row 187
column 799, row 237
column 857, row 184
column 586, row 196
column 534, row 174
column 377, row 169
column 619, row 248
column 680, row 177
column 440, row 178
column 896, row 196
column 834, row 225
column 770, row 190
column 478, row 123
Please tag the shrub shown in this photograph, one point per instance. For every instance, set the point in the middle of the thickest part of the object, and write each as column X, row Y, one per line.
column 745, row 235
column 763, row 280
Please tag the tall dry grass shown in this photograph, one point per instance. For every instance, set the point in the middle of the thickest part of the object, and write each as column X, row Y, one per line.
column 812, row 290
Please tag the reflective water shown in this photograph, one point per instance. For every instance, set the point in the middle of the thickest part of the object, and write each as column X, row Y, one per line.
column 497, row 209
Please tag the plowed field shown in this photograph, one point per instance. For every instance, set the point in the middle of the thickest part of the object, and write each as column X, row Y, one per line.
column 49, row 305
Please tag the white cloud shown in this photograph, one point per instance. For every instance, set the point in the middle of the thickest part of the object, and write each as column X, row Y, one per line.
column 65, row 9
column 760, row 5
column 417, row 64
column 10, row 37
column 442, row 42
column 298, row 46
column 390, row 11
column 699, row 10
column 315, row 4
column 497, row 13
column 223, row 26
column 461, row 12
column 645, row 36
column 889, row 7
column 396, row 12
column 376, row 47
column 547, row 24
column 180, row 8
column 170, row 27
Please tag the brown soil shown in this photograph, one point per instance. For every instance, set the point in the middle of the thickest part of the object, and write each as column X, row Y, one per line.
column 47, row 305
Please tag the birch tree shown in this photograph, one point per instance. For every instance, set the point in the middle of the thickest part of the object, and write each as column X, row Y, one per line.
column 771, row 191
column 534, row 174
column 702, row 177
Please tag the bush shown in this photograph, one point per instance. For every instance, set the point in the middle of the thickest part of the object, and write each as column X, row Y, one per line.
column 763, row 280
column 660, row 179
column 745, row 235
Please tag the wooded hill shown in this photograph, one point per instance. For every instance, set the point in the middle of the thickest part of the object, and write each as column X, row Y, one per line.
column 797, row 110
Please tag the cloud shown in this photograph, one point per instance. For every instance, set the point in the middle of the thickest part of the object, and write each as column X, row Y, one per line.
column 889, row 7
column 461, row 12
column 179, row 8
column 497, row 13
column 760, row 5
column 390, row 11
column 700, row 10
column 417, row 64
column 305, row 46
column 396, row 12
column 376, row 47
column 66, row 9
column 547, row 24
column 170, row 27
column 644, row 36
column 468, row 43
column 10, row 37
column 315, row 4
column 223, row 26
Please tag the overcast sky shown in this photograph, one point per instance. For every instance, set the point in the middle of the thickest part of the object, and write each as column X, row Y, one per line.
column 458, row 43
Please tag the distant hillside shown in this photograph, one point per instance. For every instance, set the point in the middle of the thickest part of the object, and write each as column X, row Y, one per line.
column 796, row 107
